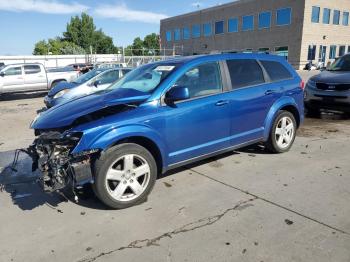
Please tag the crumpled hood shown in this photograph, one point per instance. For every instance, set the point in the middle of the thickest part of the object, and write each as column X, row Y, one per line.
column 65, row 114
column 60, row 86
column 334, row 77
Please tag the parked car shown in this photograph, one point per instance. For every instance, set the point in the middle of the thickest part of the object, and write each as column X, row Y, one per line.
column 164, row 115
column 94, row 81
column 330, row 89
column 30, row 77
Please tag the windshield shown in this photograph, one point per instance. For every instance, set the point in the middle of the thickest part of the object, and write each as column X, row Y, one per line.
column 343, row 64
column 86, row 77
column 145, row 78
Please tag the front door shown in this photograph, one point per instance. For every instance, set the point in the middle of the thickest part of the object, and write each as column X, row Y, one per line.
column 12, row 79
column 201, row 124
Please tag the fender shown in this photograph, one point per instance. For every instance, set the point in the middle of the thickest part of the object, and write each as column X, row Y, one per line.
column 280, row 103
column 109, row 137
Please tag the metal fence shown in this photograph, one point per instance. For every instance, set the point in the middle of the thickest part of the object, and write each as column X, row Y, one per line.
column 51, row 61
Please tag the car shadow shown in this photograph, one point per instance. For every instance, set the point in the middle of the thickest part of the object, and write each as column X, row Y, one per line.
column 22, row 96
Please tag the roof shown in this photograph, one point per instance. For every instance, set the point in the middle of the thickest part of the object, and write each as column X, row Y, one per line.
column 223, row 56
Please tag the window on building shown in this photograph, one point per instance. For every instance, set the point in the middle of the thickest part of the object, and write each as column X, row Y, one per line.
column 346, row 18
column 315, row 16
column 284, row 16
column 322, row 53
column 233, row 25
column 341, row 50
column 196, row 31
column 207, row 29
column 311, row 55
column 336, row 17
column 219, row 27
column 332, row 51
column 248, row 23
column 245, row 72
column 276, row 70
column 348, row 48
column 282, row 51
column 202, row 80
column 177, row 34
column 186, row 33
column 264, row 20
column 326, row 15
column 264, row 50
column 168, row 36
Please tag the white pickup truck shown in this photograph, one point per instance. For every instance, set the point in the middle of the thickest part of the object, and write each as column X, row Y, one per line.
column 31, row 77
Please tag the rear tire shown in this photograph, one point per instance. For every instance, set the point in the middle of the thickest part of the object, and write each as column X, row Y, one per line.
column 282, row 133
column 124, row 176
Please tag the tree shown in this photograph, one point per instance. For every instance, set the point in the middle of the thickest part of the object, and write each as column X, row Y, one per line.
column 57, row 46
column 82, row 32
column 151, row 42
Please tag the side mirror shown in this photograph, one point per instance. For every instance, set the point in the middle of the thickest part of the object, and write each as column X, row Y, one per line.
column 177, row 93
column 97, row 83
column 2, row 74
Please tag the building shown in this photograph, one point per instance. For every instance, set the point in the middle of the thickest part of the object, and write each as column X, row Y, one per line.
column 300, row 30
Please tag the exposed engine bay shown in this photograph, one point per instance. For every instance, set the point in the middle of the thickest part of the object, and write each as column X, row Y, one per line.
column 51, row 153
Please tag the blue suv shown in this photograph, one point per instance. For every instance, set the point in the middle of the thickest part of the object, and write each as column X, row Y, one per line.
column 164, row 115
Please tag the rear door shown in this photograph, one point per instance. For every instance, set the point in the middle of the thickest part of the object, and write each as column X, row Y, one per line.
column 34, row 77
column 12, row 79
column 250, row 98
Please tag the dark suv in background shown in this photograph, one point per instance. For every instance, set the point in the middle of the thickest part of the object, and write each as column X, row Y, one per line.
column 330, row 89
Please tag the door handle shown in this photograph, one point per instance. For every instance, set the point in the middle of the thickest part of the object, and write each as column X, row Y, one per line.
column 270, row 92
column 221, row 103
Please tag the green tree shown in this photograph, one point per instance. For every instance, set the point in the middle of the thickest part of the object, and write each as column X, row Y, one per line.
column 82, row 32
column 151, row 43
column 57, row 46
column 137, row 46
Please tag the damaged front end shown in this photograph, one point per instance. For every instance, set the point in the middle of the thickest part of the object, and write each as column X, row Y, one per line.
column 51, row 152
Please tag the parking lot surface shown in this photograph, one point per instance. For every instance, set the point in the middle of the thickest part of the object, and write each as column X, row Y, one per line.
column 246, row 205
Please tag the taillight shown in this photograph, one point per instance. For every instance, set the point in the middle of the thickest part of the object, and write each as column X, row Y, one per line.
column 302, row 84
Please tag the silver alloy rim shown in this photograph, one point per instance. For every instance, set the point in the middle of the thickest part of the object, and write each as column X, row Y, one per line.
column 128, row 177
column 284, row 132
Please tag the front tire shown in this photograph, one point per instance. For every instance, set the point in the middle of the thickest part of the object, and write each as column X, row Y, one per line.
column 283, row 132
column 124, row 176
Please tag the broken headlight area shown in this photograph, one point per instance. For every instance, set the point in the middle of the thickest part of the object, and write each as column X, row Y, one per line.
column 51, row 152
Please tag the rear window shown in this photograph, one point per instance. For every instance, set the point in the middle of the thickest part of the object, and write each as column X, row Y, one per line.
column 31, row 69
column 245, row 72
column 276, row 70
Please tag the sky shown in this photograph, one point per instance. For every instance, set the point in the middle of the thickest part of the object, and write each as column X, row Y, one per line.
column 25, row 22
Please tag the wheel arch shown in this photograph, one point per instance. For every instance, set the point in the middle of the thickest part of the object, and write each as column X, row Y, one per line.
column 145, row 142
column 286, row 104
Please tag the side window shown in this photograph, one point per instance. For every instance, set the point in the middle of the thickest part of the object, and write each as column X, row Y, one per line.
column 31, row 69
column 109, row 77
column 202, row 80
column 276, row 70
column 12, row 71
column 245, row 72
